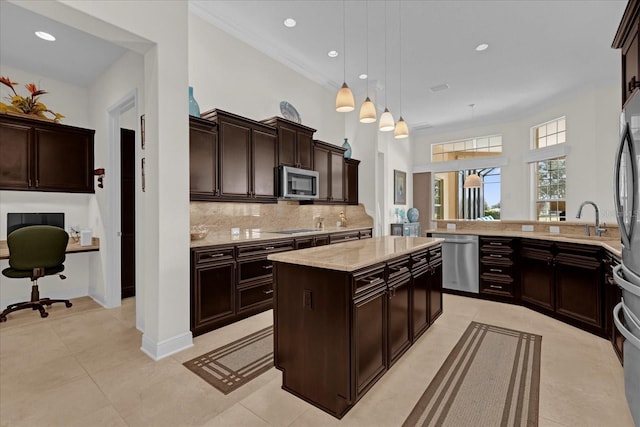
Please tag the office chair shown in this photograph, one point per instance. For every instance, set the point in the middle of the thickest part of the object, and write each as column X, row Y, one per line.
column 35, row 251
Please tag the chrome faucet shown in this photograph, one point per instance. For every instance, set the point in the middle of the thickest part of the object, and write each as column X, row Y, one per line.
column 599, row 230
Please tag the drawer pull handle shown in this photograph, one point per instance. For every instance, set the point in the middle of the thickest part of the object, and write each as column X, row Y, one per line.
column 268, row 292
column 495, row 243
column 268, row 248
column 267, row 267
column 211, row 255
column 495, row 256
column 495, row 286
column 495, row 270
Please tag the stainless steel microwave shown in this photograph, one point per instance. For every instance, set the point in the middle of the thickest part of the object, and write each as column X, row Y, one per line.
column 297, row 184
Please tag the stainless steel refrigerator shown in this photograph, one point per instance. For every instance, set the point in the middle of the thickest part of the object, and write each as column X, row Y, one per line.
column 627, row 275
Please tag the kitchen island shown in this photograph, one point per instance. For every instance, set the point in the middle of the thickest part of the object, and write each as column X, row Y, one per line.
column 344, row 314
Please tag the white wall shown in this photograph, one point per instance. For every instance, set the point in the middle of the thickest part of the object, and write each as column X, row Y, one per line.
column 592, row 135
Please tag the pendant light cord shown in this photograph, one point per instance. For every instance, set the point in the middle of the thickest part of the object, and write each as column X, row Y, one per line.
column 385, row 54
column 367, row 39
column 400, row 20
column 344, row 41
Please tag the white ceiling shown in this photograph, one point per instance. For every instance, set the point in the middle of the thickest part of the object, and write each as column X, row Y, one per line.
column 539, row 50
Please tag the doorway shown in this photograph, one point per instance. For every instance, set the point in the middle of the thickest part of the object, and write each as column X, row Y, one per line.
column 127, row 213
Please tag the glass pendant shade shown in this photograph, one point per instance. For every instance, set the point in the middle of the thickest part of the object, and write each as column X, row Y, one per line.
column 344, row 100
column 472, row 181
column 402, row 130
column 368, row 112
column 386, row 121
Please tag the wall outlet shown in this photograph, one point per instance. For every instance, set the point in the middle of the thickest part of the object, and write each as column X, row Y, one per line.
column 451, row 226
column 527, row 228
column 554, row 229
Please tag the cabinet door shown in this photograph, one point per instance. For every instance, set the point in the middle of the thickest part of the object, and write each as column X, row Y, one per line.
column 235, row 167
column 337, row 177
column 435, row 290
column 305, row 150
column 351, row 181
column 630, row 64
column 399, row 319
column 16, row 158
column 369, row 339
column 286, row 146
column 578, row 289
column 63, row 160
column 321, row 162
column 212, row 295
column 203, row 159
column 420, row 302
column 265, row 162
column 536, row 283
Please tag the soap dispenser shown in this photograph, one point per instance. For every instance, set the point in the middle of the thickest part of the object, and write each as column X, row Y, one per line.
column 343, row 219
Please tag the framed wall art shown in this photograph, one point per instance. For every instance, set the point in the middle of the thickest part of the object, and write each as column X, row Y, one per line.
column 399, row 187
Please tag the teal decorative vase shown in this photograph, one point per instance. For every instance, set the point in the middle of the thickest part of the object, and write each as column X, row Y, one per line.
column 413, row 214
column 194, row 108
column 347, row 154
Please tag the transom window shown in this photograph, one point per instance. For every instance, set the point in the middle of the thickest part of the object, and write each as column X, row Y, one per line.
column 467, row 148
column 551, row 133
column 550, row 174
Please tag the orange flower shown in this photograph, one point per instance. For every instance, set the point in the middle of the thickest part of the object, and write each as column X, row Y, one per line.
column 28, row 104
column 7, row 81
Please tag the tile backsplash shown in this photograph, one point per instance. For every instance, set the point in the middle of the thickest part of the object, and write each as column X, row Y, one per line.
column 222, row 216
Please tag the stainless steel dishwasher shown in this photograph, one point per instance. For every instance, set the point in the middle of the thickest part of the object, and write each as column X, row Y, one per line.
column 460, row 265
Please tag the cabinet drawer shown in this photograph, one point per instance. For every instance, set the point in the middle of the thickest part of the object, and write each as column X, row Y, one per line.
column 366, row 280
column 435, row 254
column 494, row 268
column 496, row 242
column 397, row 268
column 494, row 284
column 304, row 242
column 365, row 234
column 344, row 237
column 419, row 260
column 255, row 295
column 322, row 240
column 496, row 258
column 265, row 248
column 201, row 256
column 250, row 270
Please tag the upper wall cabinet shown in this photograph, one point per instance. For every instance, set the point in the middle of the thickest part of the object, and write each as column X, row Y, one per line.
column 328, row 160
column 295, row 143
column 626, row 39
column 43, row 156
column 204, row 183
column 351, row 180
column 243, row 160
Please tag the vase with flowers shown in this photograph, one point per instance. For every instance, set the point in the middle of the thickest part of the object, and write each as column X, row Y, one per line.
column 28, row 105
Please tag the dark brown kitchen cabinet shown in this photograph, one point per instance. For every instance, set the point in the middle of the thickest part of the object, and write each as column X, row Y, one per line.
column 203, row 159
column 351, row 180
column 247, row 158
column 497, row 267
column 564, row 280
column 213, row 288
column 399, row 309
column 612, row 295
column 328, row 161
column 343, row 236
column 626, row 39
column 435, row 283
column 295, row 143
column 43, row 156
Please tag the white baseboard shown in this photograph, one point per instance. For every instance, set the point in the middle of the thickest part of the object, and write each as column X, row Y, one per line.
column 162, row 349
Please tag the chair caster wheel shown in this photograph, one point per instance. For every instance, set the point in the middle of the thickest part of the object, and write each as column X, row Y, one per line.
column 68, row 304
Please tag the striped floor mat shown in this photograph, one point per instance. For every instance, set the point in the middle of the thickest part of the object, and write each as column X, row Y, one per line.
column 230, row 366
column 490, row 378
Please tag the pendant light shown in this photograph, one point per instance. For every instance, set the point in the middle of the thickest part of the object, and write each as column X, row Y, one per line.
column 402, row 130
column 368, row 109
column 386, row 119
column 472, row 181
column 344, row 101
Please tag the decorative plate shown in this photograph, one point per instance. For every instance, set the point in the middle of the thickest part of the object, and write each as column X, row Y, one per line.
column 289, row 112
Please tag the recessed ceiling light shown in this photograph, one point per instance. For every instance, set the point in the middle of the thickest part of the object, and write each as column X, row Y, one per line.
column 289, row 22
column 332, row 53
column 440, row 87
column 481, row 47
column 362, row 76
column 45, row 36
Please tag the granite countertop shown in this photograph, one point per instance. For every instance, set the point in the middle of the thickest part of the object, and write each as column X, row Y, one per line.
column 257, row 234
column 71, row 247
column 611, row 244
column 357, row 254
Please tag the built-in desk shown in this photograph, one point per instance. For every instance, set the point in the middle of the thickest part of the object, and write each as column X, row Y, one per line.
column 72, row 247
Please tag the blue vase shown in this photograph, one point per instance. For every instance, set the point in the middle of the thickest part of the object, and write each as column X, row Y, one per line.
column 194, row 108
column 347, row 154
column 413, row 214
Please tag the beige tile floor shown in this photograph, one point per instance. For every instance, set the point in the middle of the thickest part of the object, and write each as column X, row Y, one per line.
column 83, row 367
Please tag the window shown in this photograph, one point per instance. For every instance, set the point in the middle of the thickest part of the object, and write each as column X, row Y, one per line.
column 467, row 148
column 550, row 174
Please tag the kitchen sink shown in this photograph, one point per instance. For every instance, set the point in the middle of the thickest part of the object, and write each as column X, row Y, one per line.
column 296, row 231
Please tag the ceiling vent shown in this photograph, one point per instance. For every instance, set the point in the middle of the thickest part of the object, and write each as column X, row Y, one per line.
column 439, row 88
